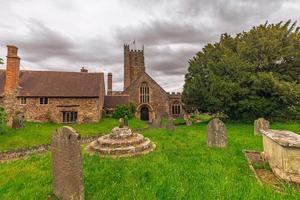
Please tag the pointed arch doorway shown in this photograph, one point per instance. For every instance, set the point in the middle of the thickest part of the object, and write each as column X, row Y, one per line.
column 144, row 114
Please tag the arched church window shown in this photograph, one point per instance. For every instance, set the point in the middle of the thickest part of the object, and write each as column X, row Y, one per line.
column 144, row 93
column 176, row 108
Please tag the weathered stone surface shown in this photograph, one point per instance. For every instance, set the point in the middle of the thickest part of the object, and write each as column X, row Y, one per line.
column 157, row 122
column 18, row 121
column 67, row 164
column 282, row 151
column 188, row 122
column 260, row 124
column 121, row 142
column 216, row 133
column 121, row 123
column 170, row 124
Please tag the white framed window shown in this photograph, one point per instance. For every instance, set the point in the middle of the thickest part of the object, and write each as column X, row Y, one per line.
column 23, row 101
column 44, row 100
column 144, row 93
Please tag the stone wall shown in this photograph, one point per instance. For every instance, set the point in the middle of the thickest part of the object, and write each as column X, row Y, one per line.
column 88, row 109
column 175, row 98
column 1, row 101
column 158, row 101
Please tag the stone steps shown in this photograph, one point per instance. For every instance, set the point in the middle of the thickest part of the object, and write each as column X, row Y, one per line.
column 133, row 141
column 145, row 145
column 121, row 142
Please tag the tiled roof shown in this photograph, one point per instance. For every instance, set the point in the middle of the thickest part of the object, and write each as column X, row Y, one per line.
column 57, row 84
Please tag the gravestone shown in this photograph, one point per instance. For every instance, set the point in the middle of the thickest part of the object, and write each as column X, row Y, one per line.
column 261, row 124
column 216, row 133
column 157, row 122
column 121, row 123
column 170, row 124
column 67, row 164
column 188, row 122
column 18, row 121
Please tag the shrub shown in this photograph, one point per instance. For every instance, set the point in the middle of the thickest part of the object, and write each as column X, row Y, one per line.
column 123, row 110
column 2, row 120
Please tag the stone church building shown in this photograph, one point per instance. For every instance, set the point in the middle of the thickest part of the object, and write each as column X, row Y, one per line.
column 141, row 89
column 79, row 97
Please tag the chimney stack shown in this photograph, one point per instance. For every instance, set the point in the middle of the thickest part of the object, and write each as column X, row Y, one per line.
column 83, row 70
column 12, row 69
column 109, row 84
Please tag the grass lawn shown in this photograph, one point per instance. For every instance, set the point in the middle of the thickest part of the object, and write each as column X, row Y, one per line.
column 41, row 133
column 182, row 167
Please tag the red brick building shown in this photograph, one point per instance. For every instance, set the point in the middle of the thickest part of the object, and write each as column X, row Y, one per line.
column 67, row 97
column 50, row 96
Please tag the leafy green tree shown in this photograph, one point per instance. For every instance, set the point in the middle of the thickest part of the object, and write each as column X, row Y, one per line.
column 254, row 74
column 123, row 111
column 1, row 61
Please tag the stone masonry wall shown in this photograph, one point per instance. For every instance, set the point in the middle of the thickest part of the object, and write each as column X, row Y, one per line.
column 158, row 100
column 88, row 109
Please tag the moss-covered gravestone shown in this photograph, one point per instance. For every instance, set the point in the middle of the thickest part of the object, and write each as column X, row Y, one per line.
column 216, row 133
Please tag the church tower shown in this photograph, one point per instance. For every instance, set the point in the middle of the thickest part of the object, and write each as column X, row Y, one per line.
column 134, row 64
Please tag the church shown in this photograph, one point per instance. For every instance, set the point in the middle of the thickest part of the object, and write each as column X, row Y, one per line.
column 80, row 97
column 142, row 90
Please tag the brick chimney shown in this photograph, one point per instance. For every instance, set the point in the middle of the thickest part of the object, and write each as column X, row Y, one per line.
column 109, row 84
column 83, row 70
column 12, row 69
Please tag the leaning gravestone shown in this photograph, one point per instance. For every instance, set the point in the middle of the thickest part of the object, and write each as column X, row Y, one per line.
column 261, row 124
column 216, row 133
column 67, row 164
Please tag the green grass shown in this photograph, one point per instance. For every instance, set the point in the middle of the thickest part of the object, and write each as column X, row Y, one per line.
column 182, row 167
column 40, row 133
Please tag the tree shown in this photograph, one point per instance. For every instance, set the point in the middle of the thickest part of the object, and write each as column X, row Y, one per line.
column 1, row 61
column 126, row 110
column 254, row 74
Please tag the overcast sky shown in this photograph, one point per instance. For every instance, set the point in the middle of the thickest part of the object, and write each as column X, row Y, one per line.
column 67, row 34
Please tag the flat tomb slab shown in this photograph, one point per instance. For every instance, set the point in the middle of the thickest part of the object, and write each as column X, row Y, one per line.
column 282, row 151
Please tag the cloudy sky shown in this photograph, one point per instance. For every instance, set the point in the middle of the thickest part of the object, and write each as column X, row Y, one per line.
column 67, row 34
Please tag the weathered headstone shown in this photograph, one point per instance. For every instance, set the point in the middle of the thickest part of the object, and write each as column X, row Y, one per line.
column 216, row 133
column 170, row 124
column 188, row 122
column 157, row 122
column 67, row 164
column 18, row 121
column 121, row 123
column 261, row 124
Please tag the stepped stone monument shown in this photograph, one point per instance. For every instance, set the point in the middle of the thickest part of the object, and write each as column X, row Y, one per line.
column 121, row 142
column 259, row 125
column 216, row 133
column 67, row 164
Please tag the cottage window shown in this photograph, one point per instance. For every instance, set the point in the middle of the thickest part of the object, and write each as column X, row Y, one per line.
column 69, row 116
column 22, row 100
column 144, row 93
column 176, row 108
column 44, row 100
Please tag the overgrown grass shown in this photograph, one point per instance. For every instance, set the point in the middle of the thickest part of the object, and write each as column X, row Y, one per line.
column 40, row 133
column 182, row 167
